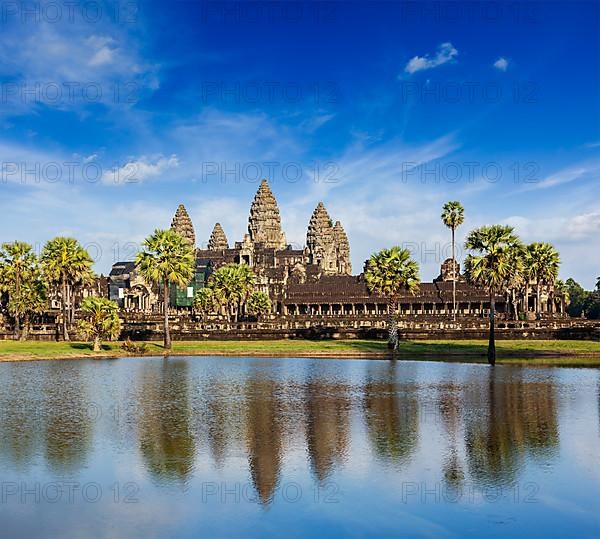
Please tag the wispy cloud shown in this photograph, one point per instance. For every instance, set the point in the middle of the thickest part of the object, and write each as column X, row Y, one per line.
column 445, row 53
column 581, row 172
column 69, row 65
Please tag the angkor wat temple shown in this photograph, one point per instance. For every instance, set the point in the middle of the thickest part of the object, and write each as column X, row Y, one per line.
column 309, row 287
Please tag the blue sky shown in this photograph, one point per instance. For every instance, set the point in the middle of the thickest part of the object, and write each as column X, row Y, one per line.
column 382, row 110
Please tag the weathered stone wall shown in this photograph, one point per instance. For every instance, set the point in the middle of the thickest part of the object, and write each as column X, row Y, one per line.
column 138, row 326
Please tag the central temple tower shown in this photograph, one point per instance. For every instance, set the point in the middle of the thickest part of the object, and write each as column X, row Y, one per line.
column 264, row 224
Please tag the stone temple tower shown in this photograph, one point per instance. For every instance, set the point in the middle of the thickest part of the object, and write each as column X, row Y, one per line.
column 264, row 224
column 328, row 244
column 342, row 249
column 182, row 224
column 218, row 239
column 320, row 240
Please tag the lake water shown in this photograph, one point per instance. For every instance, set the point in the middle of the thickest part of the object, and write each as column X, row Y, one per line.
column 250, row 447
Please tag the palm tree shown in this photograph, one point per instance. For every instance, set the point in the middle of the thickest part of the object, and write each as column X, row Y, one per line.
column 516, row 279
column 20, row 279
column 167, row 258
column 598, row 284
column 491, row 267
column 101, row 321
column 233, row 283
column 565, row 298
column 205, row 301
column 543, row 262
column 259, row 304
column 388, row 272
column 65, row 263
column 453, row 217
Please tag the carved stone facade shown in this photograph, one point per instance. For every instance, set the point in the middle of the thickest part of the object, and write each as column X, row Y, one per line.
column 446, row 273
column 182, row 224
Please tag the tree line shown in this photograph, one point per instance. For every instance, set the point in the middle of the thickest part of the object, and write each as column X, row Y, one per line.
column 499, row 262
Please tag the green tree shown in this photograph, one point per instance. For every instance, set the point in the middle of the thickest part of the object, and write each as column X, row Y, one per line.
column 65, row 263
column 388, row 273
column 453, row 216
column 206, row 301
column 591, row 305
column 101, row 321
column 598, row 284
column 167, row 258
column 232, row 284
column 542, row 262
column 259, row 304
column 20, row 278
column 491, row 266
column 577, row 296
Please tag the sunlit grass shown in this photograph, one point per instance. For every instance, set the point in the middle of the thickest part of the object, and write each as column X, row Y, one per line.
column 551, row 352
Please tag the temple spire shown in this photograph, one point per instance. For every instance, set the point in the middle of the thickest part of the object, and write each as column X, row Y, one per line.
column 264, row 224
column 182, row 224
column 320, row 239
column 342, row 247
column 218, row 239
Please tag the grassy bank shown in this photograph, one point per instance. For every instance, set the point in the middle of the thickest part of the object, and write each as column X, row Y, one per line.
column 552, row 352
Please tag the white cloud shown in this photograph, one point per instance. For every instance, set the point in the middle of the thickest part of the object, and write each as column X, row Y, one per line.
column 103, row 56
column 584, row 225
column 501, row 64
column 445, row 53
column 138, row 170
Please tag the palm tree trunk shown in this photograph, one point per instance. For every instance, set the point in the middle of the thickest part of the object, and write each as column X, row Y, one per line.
column 392, row 325
column 97, row 344
column 537, row 301
column 25, row 332
column 72, row 304
column 167, row 334
column 17, row 313
column 64, row 307
column 492, row 342
column 453, row 279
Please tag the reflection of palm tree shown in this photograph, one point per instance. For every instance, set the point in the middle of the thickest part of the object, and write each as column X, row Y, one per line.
column 20, row 409
column 327, row 418
column 166, row 440
column 517, row 419
column 450, row 410
column 391, row 415
column 67, row 428
column 264, row 435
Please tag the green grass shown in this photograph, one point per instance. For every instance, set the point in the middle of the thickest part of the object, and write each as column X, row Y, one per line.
column 552, row 352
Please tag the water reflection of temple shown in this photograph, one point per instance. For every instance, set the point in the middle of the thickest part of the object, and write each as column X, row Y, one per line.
column 493, row 424
column 327, row 425
column 263, row 435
